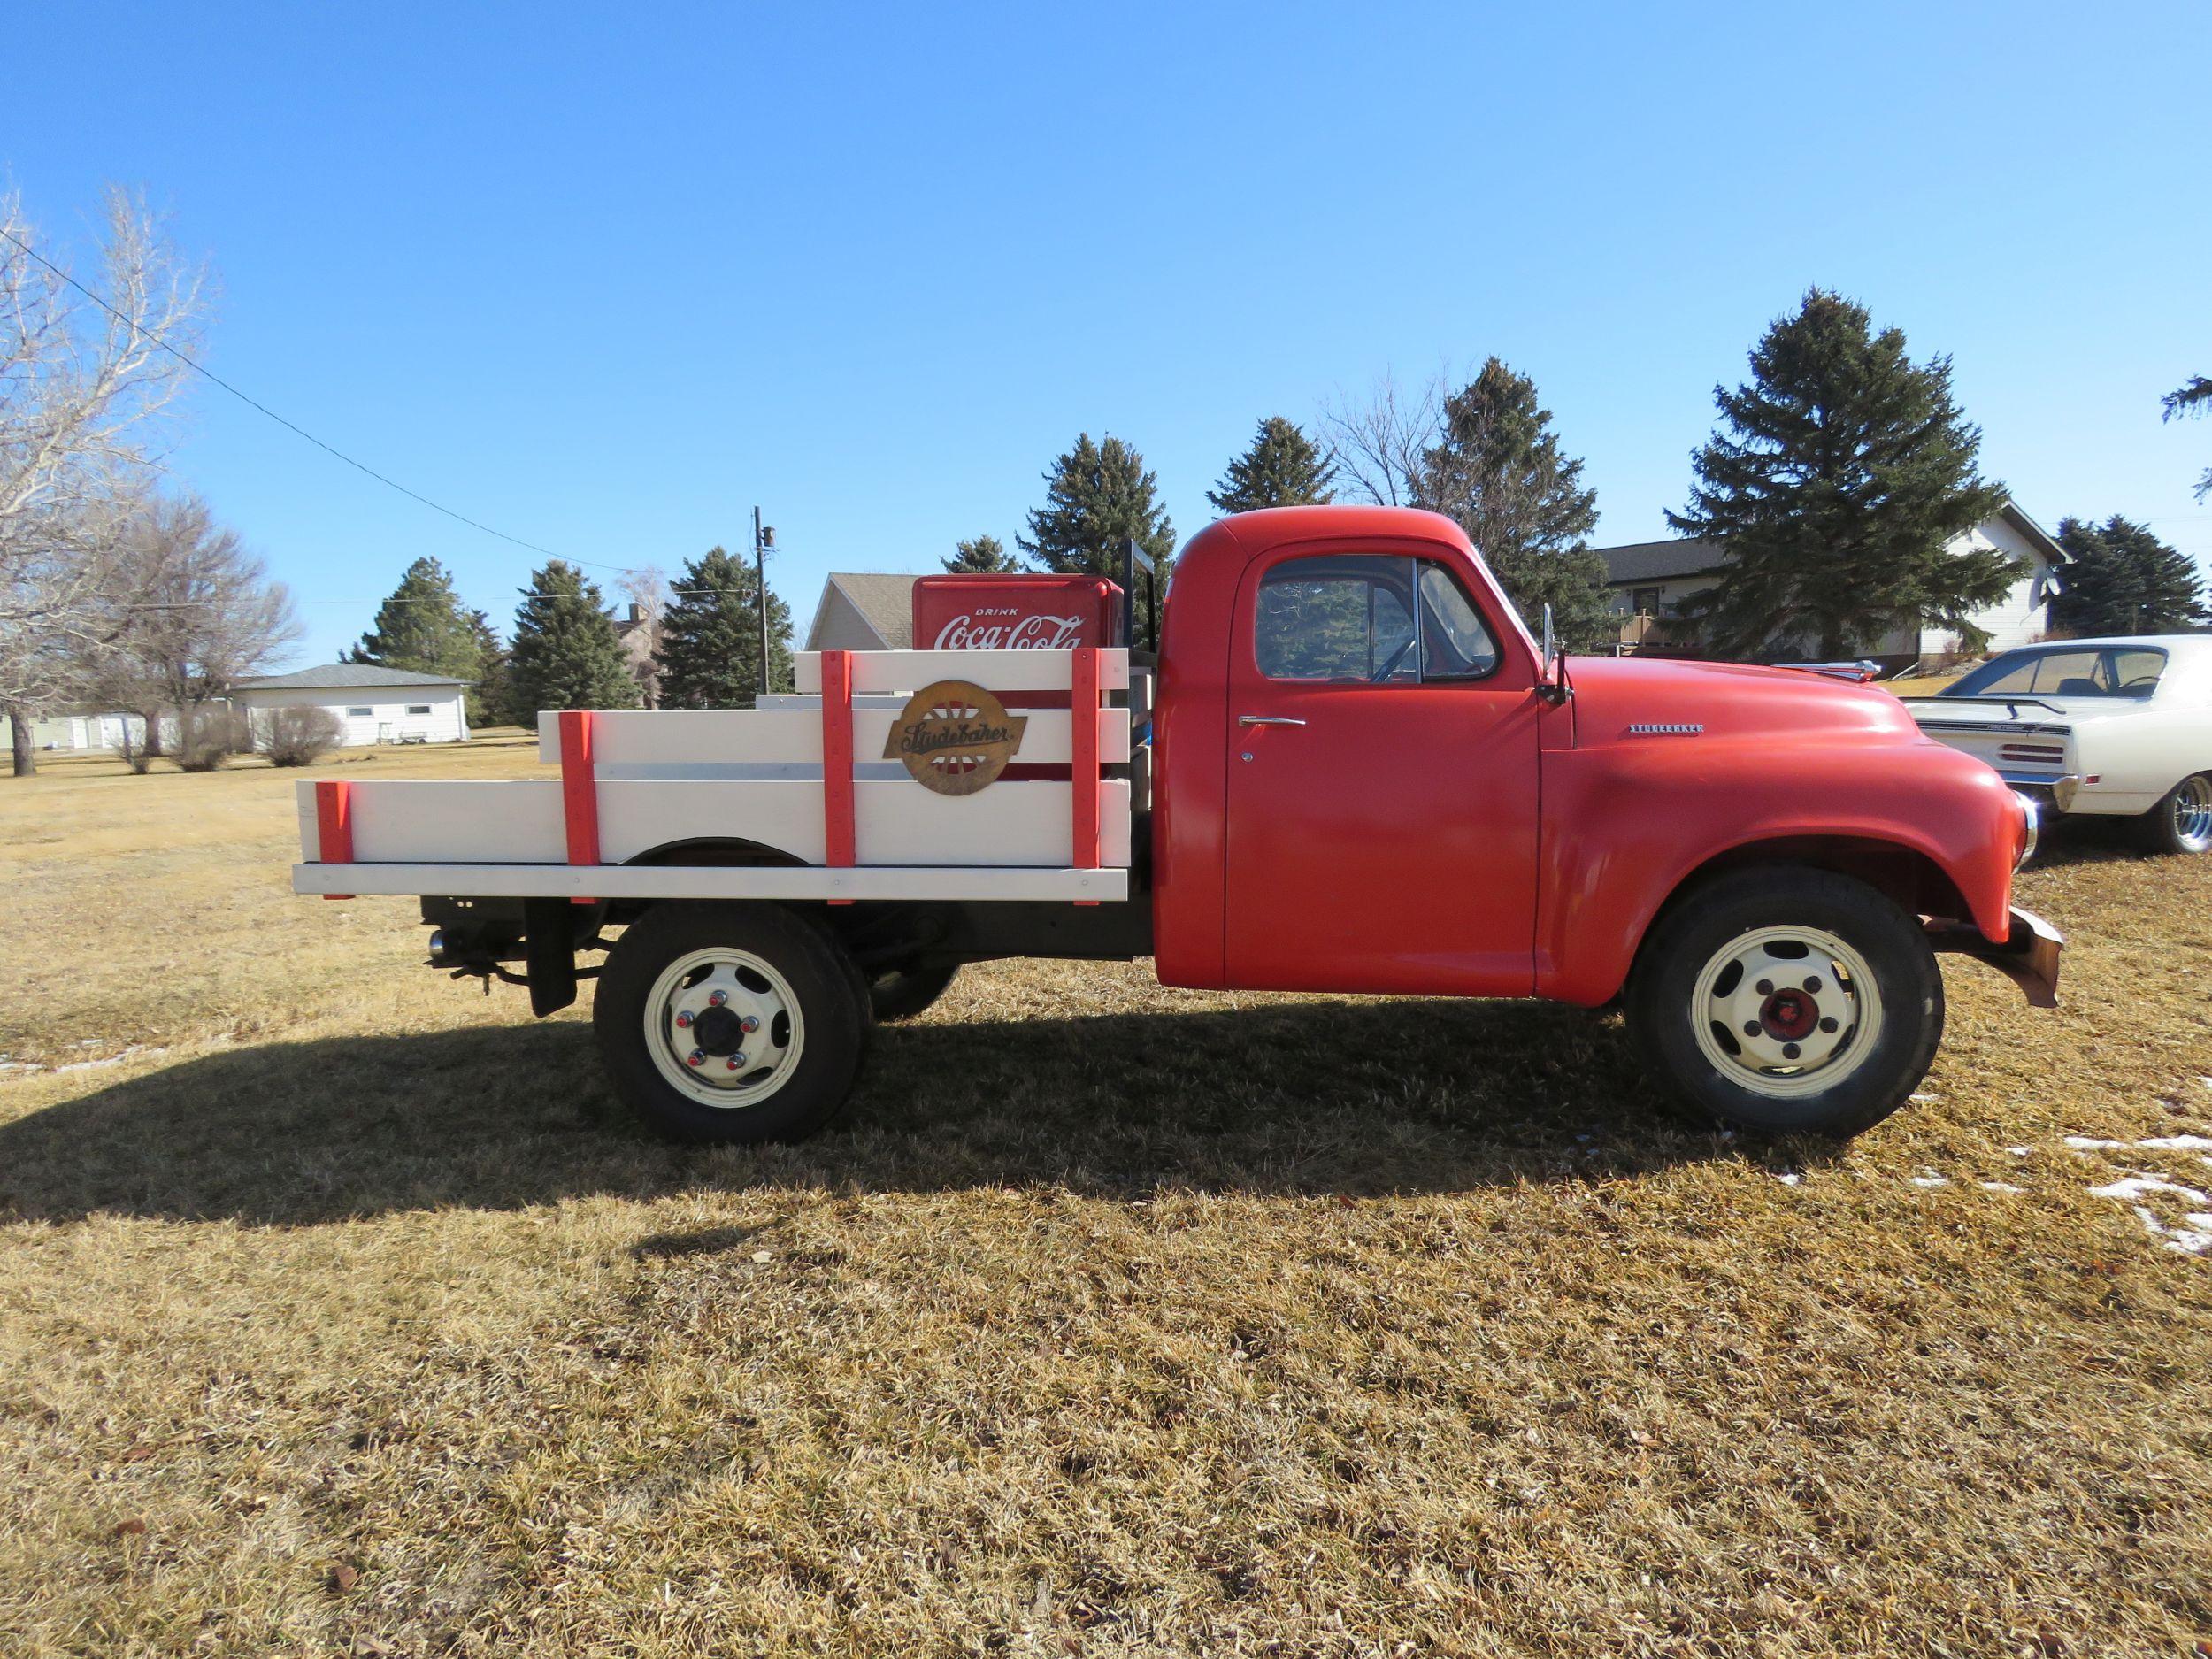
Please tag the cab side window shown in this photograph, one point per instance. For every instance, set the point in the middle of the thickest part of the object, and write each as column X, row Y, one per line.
column 1351, row 620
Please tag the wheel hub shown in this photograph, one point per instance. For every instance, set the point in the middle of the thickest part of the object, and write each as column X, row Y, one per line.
column 718, row 1032
column 723, row 1026
column 1786, row 1011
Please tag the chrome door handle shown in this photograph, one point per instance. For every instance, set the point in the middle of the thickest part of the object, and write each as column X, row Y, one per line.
column 1268, row 719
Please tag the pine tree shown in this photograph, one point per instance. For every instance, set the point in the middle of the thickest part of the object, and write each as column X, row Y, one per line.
column 1845, row 470
column 566, row 654
column 422, row 627
column 984, row 555
column 709, row 650
column 1495, row 469
column 1097, row 495
column 1283, row 468
column 2123, row 579
column 492, row 699
column 2193, row 397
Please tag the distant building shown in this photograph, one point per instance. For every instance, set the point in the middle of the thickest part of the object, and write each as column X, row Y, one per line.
column 1649, row 579
column 639, row 631
column 373, row 705
column 864, row 612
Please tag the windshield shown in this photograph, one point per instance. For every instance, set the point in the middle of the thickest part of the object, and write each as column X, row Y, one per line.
column 2066, row 670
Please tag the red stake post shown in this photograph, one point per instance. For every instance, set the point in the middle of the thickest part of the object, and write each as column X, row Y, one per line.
column 580, row 790
column 837, row 837
column 1083, row 772
column 334, row 825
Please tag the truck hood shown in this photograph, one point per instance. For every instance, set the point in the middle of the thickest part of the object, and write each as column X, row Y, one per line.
column 1628, row 699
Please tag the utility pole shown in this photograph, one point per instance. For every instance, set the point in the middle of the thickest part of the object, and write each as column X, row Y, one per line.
column 763, row 539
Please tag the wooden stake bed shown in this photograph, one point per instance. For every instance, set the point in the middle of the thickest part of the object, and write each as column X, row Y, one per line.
column 806, row 776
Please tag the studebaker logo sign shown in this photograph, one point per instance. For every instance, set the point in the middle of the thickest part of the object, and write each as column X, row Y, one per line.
column 955, row 738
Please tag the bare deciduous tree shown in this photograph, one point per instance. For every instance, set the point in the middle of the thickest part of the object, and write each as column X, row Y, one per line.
column 203, row 615
column 80, row 383
column 1382, row 443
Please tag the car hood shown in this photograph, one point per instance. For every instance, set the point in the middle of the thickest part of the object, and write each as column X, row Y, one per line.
column 1629, row 698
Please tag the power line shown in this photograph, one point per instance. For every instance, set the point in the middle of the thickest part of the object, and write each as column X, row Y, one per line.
column 290, row 426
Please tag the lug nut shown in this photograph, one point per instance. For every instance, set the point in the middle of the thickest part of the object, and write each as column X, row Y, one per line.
column 698, row 1057
column 1828, row 1024
column 1766, row 987
column 683, row 1021
column 734, row 1060
column 1751, row 1028
column 718, row 997
column 748, row 1025
column 1812, row 982
column 1789, row 1051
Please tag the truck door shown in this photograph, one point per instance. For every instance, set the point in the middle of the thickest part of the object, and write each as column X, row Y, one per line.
column 1382, row 788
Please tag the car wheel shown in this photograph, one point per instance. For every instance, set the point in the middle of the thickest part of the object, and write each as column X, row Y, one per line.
column 1788, row 1000
column 902, row 992
column 729, row 1022
column 2182, row 823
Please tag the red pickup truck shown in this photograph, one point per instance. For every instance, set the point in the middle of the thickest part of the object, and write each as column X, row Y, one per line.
column 1349, row 768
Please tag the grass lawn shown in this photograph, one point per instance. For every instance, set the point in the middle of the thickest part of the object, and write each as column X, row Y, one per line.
column 341, row 1313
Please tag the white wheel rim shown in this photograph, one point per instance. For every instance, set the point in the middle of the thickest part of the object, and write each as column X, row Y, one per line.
column 723, row 1028
column 2192, row 814
column 1786, row 1011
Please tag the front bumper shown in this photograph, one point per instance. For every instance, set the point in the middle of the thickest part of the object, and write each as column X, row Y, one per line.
column 2028, row 957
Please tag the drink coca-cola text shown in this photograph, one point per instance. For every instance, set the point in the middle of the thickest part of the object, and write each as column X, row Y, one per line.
column 1005, row 629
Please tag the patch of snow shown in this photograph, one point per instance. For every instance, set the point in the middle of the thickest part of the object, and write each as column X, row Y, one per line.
column 1931, row 1180
column 2019, row 1152
column 132, row 1053
column 2002, row 1187
column 2179, row 1143
column 2136, row 1186
column 2086, row 1143
column 1924, row 1099
column 1790, row 1178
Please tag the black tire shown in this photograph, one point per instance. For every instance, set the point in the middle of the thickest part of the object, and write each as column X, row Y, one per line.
column 2177, row 823
column 902, row 992
column 1708, row 920
column 831, row 1024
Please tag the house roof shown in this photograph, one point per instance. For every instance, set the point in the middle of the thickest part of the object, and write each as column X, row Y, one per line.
column 1661, row 561
column 1656, row 561
column 347, row 676
column 885, row 601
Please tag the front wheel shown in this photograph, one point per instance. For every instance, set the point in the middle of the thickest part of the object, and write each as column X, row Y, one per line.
column 2182, row 823
column 1789, row 1000
column 729, row 1022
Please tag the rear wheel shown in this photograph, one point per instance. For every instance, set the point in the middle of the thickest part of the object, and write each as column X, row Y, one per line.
column 902, row 992
column 1789, row 1000
column 2182, row 823
column 729, row 1023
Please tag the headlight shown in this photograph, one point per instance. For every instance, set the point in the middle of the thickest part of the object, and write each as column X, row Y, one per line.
column 2030, row 826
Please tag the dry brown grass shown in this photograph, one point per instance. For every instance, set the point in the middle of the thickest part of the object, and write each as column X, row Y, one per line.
column 1116, row 1320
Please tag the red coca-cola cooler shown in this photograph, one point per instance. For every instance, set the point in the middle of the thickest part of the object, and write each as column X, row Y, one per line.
column 998, row 613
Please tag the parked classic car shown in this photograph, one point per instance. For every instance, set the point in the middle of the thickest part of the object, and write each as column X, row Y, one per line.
column 2113, row 727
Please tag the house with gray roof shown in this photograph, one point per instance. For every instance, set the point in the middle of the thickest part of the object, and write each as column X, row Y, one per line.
column 373, row 705
column 864, row 612
column 1649, row 581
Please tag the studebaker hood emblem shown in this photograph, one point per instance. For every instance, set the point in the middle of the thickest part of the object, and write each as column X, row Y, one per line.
column 1665, row 729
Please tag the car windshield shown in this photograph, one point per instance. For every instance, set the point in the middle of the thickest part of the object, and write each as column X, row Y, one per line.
column 2068, row 670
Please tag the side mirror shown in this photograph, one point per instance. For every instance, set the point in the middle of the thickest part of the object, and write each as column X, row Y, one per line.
column 1552, row 685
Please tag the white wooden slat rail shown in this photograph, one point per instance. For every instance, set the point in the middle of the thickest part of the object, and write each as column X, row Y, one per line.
column 636, row 783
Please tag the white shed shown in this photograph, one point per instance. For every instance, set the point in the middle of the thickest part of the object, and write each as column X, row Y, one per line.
column 373, row 705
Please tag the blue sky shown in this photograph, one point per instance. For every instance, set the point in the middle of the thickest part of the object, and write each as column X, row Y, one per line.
column 606, row 277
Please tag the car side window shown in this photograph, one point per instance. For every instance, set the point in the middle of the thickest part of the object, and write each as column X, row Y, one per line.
column 1351, row 618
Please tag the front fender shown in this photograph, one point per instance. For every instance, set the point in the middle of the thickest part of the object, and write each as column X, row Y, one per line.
column 1626, row 824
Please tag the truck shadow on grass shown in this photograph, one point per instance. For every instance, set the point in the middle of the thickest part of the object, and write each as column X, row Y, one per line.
column 1344, row 1098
